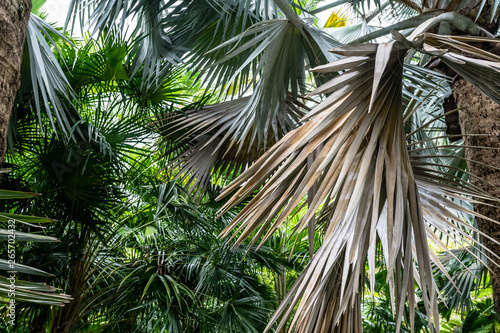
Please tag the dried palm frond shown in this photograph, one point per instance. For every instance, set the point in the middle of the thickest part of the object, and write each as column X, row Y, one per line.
column 478, row 66
column 369, row 190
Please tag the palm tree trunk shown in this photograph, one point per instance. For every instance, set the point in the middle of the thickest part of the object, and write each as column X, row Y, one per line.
column 65, row 318
column 481, row 115
column 14, row 16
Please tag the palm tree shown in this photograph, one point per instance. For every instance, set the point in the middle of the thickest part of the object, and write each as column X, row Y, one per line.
column 180, row 276
column 90, row 187
column 356, row 163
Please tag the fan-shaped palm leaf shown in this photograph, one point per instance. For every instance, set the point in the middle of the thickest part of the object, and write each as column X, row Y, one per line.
column 368, row 192
column 269, row 64
column 49, row 83
column 215, row 142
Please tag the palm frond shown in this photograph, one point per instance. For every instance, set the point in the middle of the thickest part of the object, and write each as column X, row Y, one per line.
column 351, row 32
column 478, row 66
column 154, row 51
column 246, row 314
column 33, row 292
column 267, row 62
column 11, row 287
column 216, row 142
column 369, row 192
column 167, row 30
column 467, row 273
column 49, row 82
column 266, row 9
column 202, row 25
column 99, row 14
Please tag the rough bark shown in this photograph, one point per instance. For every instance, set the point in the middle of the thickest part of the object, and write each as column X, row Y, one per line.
column 481, row 115
column 14, row 16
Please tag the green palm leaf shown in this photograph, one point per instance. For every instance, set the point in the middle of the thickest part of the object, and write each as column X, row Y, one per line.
column 20, row 290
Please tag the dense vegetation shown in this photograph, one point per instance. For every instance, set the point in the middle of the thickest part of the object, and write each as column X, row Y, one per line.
column 156, row 213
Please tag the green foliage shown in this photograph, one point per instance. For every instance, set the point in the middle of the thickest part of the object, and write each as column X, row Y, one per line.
column 132, row 134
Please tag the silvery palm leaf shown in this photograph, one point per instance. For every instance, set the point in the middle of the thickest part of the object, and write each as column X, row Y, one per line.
column 370, row 190
column 215, row 143
column 269, row 58
column 153, row 50
column 167, row 30
column 267, row 66
column 51, row 89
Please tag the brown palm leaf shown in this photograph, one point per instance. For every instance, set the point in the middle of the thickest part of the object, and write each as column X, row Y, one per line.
column 479, row 67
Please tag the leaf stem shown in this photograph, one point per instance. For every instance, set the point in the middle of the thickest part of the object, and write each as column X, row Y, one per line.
column 290, row 14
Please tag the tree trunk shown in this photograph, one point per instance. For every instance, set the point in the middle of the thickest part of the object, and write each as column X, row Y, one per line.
column 481, row 115
column 14, row 16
